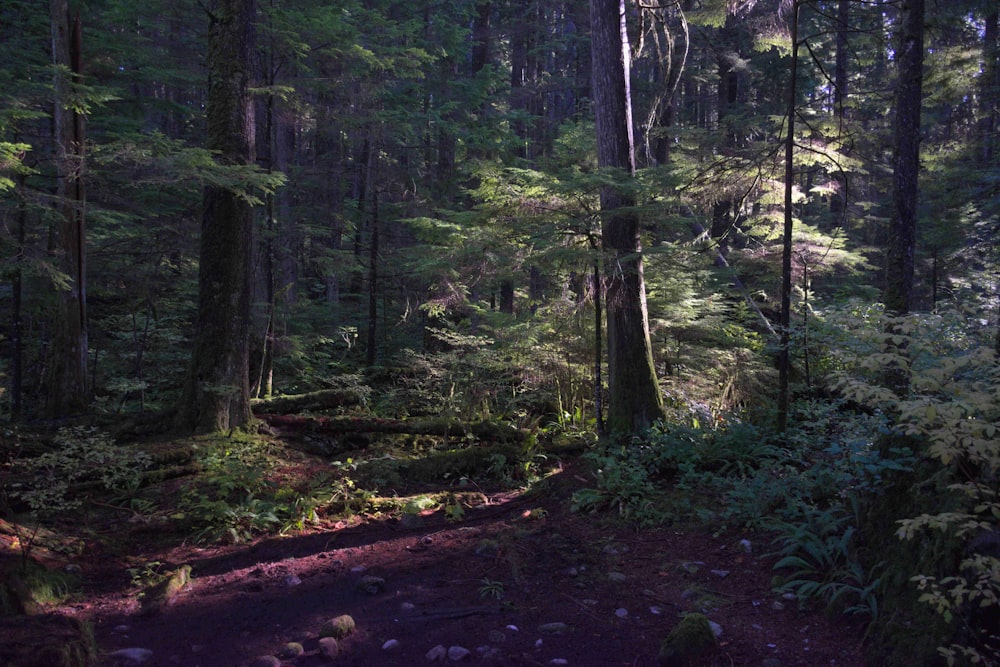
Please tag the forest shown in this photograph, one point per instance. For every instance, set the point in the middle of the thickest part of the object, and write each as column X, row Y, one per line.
column 577, row 278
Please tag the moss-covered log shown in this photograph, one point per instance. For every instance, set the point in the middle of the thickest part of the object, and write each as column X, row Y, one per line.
column 46, row 641
column 297, row 425
column 325, row 399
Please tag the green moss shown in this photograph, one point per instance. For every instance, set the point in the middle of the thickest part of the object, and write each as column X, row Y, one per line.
column 688, row 640
column 338, row 627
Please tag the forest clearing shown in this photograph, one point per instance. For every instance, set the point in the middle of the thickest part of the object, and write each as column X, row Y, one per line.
column 529, row 332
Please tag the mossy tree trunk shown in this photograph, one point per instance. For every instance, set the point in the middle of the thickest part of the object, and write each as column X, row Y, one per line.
column 906, row 159
column 217, row 394
column 66, row 390
column 901, row 255
column 634, row 394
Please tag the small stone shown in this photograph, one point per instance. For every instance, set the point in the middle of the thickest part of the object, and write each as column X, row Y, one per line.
column 716, row 629
column 691, row 567
column 558, row 661
column 329, row 648
column 512, row 628
column 553, row 628
column 777, row 606
column 538, row 643
column 456, row 653
column 292, row 580
column 358, row 569
column 573, row 572
column 613, row 550
column 618, row 577
column 621, row 612
column 338, row 627
column 407, row 606
column 134, row 655
column 265, row 661
column 790, row 596
column 390, row 645
column 437, row 653
column 370, row 585
column 656, row 610
column 291, row 650
column 722, row 574
column 590, row 602
column 497, row 637
column 746, row 546
column 488, row 548
column 122, row 629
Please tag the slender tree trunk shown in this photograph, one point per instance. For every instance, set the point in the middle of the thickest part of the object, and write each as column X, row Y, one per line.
column 66, row 385
column 598, row 350
column 838, row 200
column 784, row 352
column 635, row 399
column 990, row 89
column 217, row 394
column 16, row 322
column 990, row 102
column 373, row 250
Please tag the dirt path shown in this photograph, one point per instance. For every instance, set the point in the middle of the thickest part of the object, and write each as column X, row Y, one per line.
column 489, row 584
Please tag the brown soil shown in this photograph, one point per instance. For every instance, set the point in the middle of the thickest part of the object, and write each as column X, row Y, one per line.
column 487, row 583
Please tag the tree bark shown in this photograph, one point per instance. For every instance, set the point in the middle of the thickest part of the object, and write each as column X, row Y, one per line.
column 217, row 395
column 784, row 351
column 635, row 401
column 66, row 382
column 906, row 159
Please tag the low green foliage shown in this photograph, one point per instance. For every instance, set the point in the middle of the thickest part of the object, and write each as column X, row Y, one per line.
column 950, row 406
column 820, row 551
column 624, row 486
column 491, row 588
column 81, row 454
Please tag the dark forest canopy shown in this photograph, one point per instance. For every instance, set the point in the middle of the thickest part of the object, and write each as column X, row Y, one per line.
column 426, row 171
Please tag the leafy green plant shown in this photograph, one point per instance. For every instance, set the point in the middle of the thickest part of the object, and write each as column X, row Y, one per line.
column 81, row 454
column 949, row 406
column 819, row 551
column 146, row 574
column 623, row 486
column 490, row 588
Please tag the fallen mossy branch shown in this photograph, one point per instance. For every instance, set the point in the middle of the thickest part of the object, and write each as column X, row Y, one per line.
column 324, row 399
column 298, row 425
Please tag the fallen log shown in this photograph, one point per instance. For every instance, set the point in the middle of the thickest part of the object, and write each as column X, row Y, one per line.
column 484, row 430
column 324, row 399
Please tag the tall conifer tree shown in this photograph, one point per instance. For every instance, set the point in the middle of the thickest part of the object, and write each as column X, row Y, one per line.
column 217, row 394
column 635, row 399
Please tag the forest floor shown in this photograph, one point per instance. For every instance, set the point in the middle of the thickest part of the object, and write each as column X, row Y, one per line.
column 520, row 580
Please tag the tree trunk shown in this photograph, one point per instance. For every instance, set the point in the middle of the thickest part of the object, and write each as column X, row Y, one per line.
column 838, row 199
column 990, row 88
column 217, row 395
column 635, row 401
column 784, row 352
column 16, row 322
column 906, row 159
column 66, row 382
column 373, row 250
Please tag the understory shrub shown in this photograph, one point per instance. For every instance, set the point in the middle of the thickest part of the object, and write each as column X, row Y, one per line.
column 949, row 409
